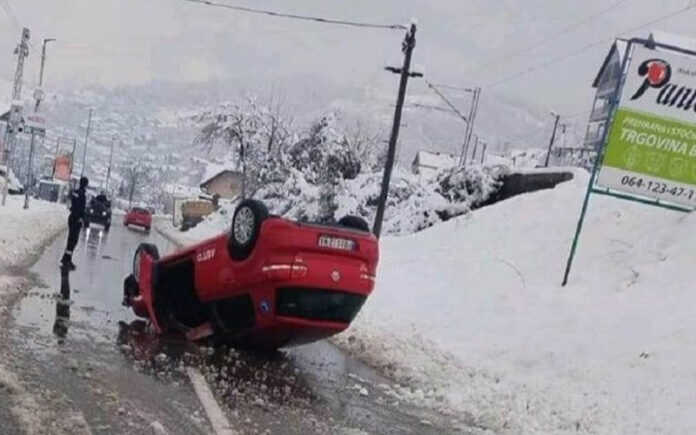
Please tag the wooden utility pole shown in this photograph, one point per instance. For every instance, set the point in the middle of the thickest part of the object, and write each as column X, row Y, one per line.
column 408, row 45
column 553, row 137
column 15, row 120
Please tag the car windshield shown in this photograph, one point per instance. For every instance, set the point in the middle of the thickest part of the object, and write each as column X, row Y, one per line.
column 140, row 210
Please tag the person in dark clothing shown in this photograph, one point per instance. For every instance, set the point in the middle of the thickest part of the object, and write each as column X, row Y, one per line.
column 75, row 220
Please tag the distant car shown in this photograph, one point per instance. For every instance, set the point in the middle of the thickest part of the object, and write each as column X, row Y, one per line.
column 269, row 282
column 138, row 217
column 98, row 212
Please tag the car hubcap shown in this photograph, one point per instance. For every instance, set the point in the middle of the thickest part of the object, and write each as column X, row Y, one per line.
column 244, row 225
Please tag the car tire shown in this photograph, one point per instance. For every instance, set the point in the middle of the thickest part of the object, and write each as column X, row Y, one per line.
column 354, row 222
column 246, row 226
column 107, row 226
column 147, row 248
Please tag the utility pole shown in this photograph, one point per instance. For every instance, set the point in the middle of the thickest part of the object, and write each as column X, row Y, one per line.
column 470, row 127
column 553, row 137
column 408, row 45
column 39, row 92
column 72, row 158
column 476, row 142
column 34, row 127
column 84, row 151
column 14, row 123
column 483, row 154
column 111, row 157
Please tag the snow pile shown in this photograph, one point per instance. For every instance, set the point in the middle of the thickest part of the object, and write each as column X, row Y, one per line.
column 24, row 232
column 480, row 326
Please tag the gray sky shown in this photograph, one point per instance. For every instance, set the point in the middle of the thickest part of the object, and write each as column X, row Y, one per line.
column 117, row 42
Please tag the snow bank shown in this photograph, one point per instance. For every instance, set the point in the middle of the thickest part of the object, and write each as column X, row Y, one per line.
column 24, row 232
column 479, row 325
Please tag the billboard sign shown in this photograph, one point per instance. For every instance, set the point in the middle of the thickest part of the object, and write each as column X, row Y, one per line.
column 651, row 146
column 62, row 168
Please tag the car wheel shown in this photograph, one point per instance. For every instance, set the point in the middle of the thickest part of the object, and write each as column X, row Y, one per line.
column 246, row 225
column 354, row 222
column 147, row 248
column 107, row 226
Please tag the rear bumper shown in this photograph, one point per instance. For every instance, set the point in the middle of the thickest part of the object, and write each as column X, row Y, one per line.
column 137, row 223
column 288, row 316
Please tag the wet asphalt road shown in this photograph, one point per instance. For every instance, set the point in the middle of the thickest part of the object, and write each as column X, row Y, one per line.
column 80, row 351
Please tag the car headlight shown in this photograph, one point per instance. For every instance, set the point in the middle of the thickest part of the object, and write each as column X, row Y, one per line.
column 103, row 213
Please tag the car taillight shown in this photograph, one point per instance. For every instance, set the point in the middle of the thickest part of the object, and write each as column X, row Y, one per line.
column 286, row 271
column 366, row 275
column 298, row 271
column 277, row 271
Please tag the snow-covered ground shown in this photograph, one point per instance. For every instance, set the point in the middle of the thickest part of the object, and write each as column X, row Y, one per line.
column 24, row 232
column 480, row 325
column 469, row 316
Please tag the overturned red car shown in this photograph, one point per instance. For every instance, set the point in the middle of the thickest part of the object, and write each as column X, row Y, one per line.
column 270, row 282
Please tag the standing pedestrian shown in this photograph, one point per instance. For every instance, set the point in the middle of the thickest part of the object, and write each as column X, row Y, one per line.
column 75, row 220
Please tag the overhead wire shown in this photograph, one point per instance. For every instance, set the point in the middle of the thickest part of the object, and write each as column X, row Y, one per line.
column 569, row 28
column 447, row 101
column 10, row 13
column 585, row 48
column 299, row 17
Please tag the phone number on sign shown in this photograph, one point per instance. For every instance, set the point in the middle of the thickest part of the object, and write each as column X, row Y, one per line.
column 658, row 187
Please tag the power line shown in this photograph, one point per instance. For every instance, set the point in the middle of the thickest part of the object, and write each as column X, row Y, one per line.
column 454, row 88
column 569, row 28
column 451, row 106
column 10, row 14
column 585, row 48
column 299, row 17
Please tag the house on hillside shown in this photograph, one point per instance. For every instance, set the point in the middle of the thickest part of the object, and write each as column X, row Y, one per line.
column 428, row 162
column 608, row 77
column 227, row 184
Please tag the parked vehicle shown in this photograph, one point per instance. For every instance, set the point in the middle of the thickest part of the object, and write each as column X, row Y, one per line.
column 138, row 216
column 194, row 211
column 99, row 212
column 269, row 282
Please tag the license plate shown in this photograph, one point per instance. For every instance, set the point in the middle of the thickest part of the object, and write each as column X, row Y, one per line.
column 336, row 243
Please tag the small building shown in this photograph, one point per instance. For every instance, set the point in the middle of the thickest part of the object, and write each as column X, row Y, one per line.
column 429, row 162
column 227, row 184
column 608, row 78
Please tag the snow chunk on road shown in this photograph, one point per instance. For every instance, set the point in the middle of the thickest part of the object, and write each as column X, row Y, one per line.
column 24, row 232
column 479, row 325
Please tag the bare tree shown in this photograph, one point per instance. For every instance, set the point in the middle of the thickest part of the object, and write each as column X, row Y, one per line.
column 135, row 176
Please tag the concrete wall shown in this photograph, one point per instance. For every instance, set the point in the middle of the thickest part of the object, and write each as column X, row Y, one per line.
column 519, row 183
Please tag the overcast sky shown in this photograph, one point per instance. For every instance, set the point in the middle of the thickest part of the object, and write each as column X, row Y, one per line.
column 120, row 42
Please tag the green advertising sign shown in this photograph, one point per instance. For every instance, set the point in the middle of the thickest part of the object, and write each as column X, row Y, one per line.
column 651, row 146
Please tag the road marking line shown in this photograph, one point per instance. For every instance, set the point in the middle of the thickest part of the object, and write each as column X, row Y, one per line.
column 217, row 417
